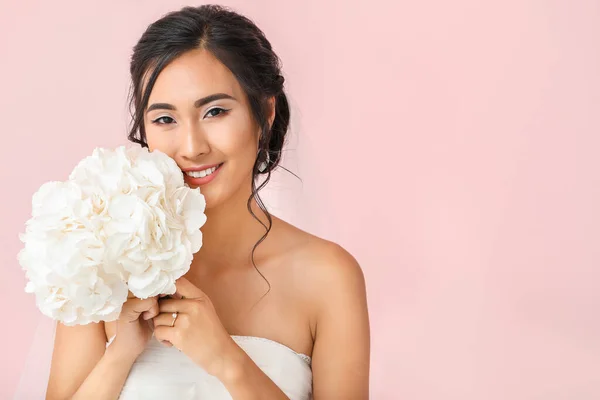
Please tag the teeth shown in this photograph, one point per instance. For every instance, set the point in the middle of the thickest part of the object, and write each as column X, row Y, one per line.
column 201, row 174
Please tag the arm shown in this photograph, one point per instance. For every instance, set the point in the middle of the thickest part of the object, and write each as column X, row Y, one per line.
column 246, row 381
column 217, row 353
column 82, row 367
column 107, row 378
column 341, row 352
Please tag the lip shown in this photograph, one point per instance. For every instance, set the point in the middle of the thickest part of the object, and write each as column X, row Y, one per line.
column 204, row 180
column 200, row 168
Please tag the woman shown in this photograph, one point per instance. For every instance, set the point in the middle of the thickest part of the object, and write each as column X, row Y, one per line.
column 266, row 311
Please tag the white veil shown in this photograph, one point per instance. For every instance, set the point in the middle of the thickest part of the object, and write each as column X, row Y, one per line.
column 284, row 196
column 34, row 377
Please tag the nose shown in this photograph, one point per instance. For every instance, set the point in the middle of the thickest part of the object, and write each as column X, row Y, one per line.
column 193, row 142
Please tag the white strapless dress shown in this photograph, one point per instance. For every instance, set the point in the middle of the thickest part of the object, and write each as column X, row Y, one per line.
column 165, row 373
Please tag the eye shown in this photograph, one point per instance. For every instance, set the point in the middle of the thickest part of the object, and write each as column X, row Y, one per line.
column 213, row 115
column 160, row 118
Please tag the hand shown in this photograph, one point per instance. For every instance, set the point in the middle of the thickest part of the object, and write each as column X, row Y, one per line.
column 133, row 332
column 198, row 331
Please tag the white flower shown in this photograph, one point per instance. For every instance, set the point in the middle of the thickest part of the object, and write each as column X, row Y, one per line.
column 123, row 221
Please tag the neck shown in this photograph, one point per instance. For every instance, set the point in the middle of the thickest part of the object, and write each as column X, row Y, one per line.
column 230, row 232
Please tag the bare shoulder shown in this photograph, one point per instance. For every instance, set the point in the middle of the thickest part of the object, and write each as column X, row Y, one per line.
column 327, row 269
column 333, row 283
column 320, row 259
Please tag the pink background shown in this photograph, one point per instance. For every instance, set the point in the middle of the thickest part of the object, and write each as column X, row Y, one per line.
column 452, row 147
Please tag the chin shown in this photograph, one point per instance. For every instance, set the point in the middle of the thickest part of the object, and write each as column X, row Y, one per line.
column 212, row 199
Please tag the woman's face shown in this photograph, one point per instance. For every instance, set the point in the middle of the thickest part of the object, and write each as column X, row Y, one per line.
column 198, row 114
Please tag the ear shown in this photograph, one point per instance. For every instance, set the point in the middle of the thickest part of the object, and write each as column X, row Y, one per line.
column 271, row 102
column 271, row 110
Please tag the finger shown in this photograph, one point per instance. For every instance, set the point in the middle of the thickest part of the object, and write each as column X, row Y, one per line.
column 176, row 296
column 164, row 334
column 152, row 312
column 134, row 307
column 174, row 305
column 166, row 319
column 187, row 289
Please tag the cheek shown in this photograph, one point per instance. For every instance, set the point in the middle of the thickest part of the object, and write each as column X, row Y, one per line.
column 236, row 145
column 236, row 141
column 160, row 142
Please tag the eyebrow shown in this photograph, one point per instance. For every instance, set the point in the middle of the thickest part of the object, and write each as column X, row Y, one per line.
column 198, row 103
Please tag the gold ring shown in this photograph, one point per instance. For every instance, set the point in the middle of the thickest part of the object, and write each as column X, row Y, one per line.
column 174, row 319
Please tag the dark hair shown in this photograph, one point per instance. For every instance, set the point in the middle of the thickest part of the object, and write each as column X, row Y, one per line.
column 243, row 48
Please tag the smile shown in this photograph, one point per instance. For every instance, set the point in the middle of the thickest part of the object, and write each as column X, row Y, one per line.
column 198, row 178
column 201, row 174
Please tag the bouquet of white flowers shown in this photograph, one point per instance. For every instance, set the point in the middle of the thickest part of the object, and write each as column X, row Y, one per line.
column 124, row 220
